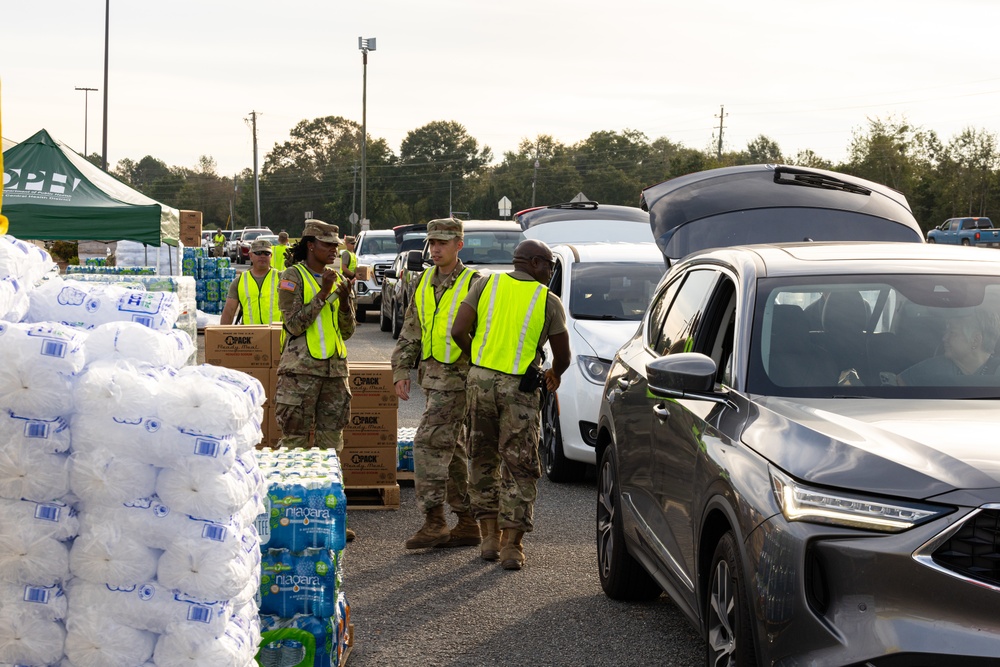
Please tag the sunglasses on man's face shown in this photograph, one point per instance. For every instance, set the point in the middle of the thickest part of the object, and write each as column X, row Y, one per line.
column 262, row 253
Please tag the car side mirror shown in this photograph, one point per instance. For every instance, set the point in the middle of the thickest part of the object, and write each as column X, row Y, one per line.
column 415, row 260
column 678, row 375
column 390, row 273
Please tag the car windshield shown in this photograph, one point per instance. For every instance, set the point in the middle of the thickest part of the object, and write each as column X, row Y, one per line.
column 891, row 336
column 250, row 236
column 377, row 245
column 490, row 247
column 612, row 290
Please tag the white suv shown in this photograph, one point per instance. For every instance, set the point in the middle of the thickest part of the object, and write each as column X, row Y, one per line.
column 606, row 267
column 604, row 288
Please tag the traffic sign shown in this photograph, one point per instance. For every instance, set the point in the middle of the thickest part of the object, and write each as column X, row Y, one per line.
column 504, row 206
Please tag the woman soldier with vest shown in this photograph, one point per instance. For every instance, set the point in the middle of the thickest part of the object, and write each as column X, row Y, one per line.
column 313, row 392
column 503, row 324
column 440, row 458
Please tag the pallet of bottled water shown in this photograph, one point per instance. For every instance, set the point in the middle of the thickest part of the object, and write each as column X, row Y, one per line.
column 307, row 640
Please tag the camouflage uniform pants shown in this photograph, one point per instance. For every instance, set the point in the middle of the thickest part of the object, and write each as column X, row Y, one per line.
column 503, row 449
column 304, row 403
column 440, row 458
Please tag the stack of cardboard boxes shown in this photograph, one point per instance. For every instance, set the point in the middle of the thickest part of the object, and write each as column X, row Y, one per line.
column 190, row 228
column 369, row 456
column 254, row 349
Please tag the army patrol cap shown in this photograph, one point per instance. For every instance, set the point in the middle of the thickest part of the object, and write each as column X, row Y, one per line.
column 445, row 229
column 322, row 231
column 260, row 245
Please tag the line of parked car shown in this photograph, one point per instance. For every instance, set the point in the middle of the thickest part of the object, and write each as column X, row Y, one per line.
column 788, row 396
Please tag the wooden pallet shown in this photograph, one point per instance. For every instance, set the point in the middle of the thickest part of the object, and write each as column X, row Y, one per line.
column 350, row 645
column 372, row 497
column 404, row 476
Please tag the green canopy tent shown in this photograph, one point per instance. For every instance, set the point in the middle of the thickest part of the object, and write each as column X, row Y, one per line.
column 52, row 193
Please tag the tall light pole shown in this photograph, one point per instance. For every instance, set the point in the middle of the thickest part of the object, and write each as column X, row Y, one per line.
column 366, row 44
column 86, row 94
column 104, row 142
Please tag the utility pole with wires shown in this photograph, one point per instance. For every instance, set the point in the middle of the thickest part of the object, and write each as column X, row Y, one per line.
column 722, row 115
column 256, row 172
column 354, row 192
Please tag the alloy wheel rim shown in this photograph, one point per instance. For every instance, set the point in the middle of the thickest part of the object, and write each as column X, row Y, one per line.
column 605, row 519
column 549, row 431
column 722, row 606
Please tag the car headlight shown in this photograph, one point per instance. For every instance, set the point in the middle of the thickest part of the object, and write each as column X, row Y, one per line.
column 594, row 369
column 800, row 502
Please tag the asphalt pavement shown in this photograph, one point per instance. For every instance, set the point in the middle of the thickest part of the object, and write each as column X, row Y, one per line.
column 449, row 608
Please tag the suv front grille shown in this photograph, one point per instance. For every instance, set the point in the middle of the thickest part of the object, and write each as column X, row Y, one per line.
column 380, row 270
column 973, row 551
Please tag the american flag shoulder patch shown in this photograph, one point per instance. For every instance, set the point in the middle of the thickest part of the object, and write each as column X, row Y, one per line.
column 287, row 285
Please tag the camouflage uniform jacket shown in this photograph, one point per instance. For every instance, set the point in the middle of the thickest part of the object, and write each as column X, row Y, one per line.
column 297, row 317
column 431, row 374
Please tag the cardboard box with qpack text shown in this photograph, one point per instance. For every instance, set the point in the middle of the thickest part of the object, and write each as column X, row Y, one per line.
column 371, row 385
column 238, row 346
column 368, row 466
column 372, row 427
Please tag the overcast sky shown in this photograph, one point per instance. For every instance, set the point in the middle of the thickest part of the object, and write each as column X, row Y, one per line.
column 184, row 75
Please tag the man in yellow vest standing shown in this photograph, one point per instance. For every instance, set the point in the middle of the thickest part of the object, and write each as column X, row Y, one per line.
column 348, row 260
column 313, row 394
column 278, row 253
column 503, row 324
column 254, row 293
column 440, row 459
column 218, row 242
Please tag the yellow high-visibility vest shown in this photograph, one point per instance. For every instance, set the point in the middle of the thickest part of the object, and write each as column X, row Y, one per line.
column 259, row 304
column 511, row 315
column 435, row 322
column 278, row 257
column 352, row 262
column 323, row 335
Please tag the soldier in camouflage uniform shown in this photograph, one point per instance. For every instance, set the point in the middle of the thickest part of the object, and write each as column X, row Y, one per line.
column 313, row 392
column 503, row 323
column 441, row 465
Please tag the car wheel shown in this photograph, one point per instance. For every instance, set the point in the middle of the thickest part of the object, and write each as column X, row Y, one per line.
column 622, row 577
column 397, row 322
column 966, row 242
column 385, row 322
column 359, row 314
column 557, row 467
column 728, row 635
column 931, row 240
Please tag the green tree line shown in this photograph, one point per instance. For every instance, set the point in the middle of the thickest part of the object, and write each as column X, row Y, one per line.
column 440, row 168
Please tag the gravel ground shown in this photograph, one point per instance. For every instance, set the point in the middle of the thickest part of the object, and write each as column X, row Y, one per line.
column 449, row 608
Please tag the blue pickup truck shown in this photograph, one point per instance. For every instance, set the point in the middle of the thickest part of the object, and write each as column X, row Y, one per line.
column 966, row 231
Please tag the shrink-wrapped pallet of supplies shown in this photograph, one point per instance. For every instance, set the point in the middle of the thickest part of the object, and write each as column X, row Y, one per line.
column 128, row 482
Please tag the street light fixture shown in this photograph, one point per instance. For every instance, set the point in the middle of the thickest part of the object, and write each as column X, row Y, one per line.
column 365, row 44
column 86, row 94
column 104, row 142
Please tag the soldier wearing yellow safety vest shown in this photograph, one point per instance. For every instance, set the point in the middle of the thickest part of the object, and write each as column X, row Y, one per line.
column 278, row 253
column 254, row 293
column 503, row 324
column 313, row 394
column 441, row 463
column 348, row 260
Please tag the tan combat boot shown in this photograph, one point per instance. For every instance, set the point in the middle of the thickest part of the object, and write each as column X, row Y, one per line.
column 491, row 539
column 432, row 533
column 465, row 533
column 511, row 552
